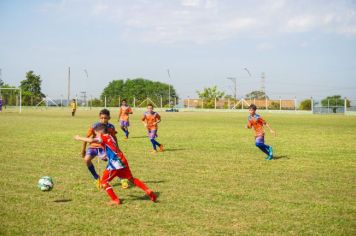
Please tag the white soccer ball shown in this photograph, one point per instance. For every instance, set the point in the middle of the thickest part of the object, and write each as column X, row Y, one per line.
column 45, row 183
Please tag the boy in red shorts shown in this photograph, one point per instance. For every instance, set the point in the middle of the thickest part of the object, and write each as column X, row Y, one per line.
column 117, row 164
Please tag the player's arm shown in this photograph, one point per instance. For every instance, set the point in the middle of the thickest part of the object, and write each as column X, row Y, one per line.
column 120, row 111
column 86, row 139
column 89, row 134
column 143, row 119
column 249, row 125
column 270, row 129
column 158, row 119
column 129, row 111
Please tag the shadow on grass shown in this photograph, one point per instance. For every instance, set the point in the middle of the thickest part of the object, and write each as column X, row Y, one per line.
column 174, row 149
column 137, row 137
column 63, row 200
column 144, row 197
column 280, row 157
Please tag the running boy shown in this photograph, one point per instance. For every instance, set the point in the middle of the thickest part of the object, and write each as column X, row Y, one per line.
column 117, row 164
column 124, row 112
column 256, row 121
column 150, row 120
column 96, row 149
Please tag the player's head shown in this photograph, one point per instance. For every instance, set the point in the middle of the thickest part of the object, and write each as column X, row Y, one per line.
column 149, row 107
column 104, row 116
column 123, row 102
column 73, row 100
column 101, row 129
column 252, row 109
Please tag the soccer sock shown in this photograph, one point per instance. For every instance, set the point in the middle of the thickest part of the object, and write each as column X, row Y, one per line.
column 154, row 142
column 127, row 133
column 263, row 147
column 91, row 168
column 110, row 192
column 139, row 184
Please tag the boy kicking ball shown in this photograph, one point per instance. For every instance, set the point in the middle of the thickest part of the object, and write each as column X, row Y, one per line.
column 117, row 164
column 256, row 121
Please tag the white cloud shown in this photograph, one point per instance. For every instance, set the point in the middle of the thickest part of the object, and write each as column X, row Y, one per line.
column 201, row 21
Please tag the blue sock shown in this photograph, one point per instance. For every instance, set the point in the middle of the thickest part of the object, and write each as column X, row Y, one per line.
column 93, row 172
column 153, row 141
column 127, row 133
column 264, row 148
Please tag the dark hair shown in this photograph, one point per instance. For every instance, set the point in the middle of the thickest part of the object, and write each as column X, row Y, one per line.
column 123, row 100
column 149, row 105
column 253, row 107
column 102, row 127
column 104, row 112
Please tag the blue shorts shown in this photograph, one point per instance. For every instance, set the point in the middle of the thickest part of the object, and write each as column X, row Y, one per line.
column 124, row 123
column 93, row 152
column 152, row 134
column 260, row 139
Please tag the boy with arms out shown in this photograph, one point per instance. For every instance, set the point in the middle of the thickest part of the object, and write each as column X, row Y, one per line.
column 150, row 120
column 124, row 113
column 117, row 164
column 257, row 122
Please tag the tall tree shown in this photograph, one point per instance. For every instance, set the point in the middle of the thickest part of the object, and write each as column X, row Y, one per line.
column 209, row 95
column 138, row 88
column 258, row 94
column 31, row 89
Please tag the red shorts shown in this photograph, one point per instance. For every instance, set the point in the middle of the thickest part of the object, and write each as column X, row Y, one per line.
column 124, row 173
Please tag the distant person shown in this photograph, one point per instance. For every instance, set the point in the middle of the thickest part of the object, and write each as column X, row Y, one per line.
column 150, row 119
column 73, row 105
column 124, row 113
column 117, row 164
column 257, row 122
column 1, row 102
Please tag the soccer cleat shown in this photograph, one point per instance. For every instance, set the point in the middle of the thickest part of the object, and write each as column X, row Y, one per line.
column 161, row 148
column 151, row 195
column 124, row 183
column 114, row 202
column 154, row 151
column 270, row 155
column 97, row 183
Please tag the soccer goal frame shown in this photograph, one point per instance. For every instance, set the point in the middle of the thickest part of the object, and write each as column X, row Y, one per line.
column 20, row 101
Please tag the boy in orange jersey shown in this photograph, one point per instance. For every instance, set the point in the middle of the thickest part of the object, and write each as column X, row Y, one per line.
column 124, row 113
column 96, row 149
column 117, row 164
column 257, row 122
column 150, row 120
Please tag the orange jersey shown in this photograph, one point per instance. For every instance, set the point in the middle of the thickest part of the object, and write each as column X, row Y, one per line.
column 151, row 119
column 124, row 113
column 91, row 133
column 257, row 123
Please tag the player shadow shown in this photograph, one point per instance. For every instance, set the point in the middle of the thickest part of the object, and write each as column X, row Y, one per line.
column 137, row 137
column 143, row 197
column 280, row 157
column 63, row 200
column 174, row 149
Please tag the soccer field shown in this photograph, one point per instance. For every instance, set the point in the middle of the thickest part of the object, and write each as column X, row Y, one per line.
column 211, row 180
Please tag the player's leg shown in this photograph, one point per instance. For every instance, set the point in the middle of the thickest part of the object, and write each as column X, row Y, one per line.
column 260, row 143
column 126, row 173
column 92, row 153
column 107, row 176
column 153, row 135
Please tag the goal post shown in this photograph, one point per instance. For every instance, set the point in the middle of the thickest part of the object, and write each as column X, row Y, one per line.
column 14, row 89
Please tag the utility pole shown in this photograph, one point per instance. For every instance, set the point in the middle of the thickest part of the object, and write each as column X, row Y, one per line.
column 263, row 82
column 233, row 79
column 68, row 92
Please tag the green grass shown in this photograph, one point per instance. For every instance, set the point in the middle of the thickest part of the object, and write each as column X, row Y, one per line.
column 212, row 180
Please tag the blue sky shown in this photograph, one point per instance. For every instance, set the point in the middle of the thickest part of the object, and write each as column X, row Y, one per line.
column 305, row 48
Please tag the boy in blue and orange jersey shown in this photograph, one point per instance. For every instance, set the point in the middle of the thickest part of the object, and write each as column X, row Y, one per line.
column 257, row 122
column 117, row 164
column 124, row 113
column 96, row 149
column 150, row 119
